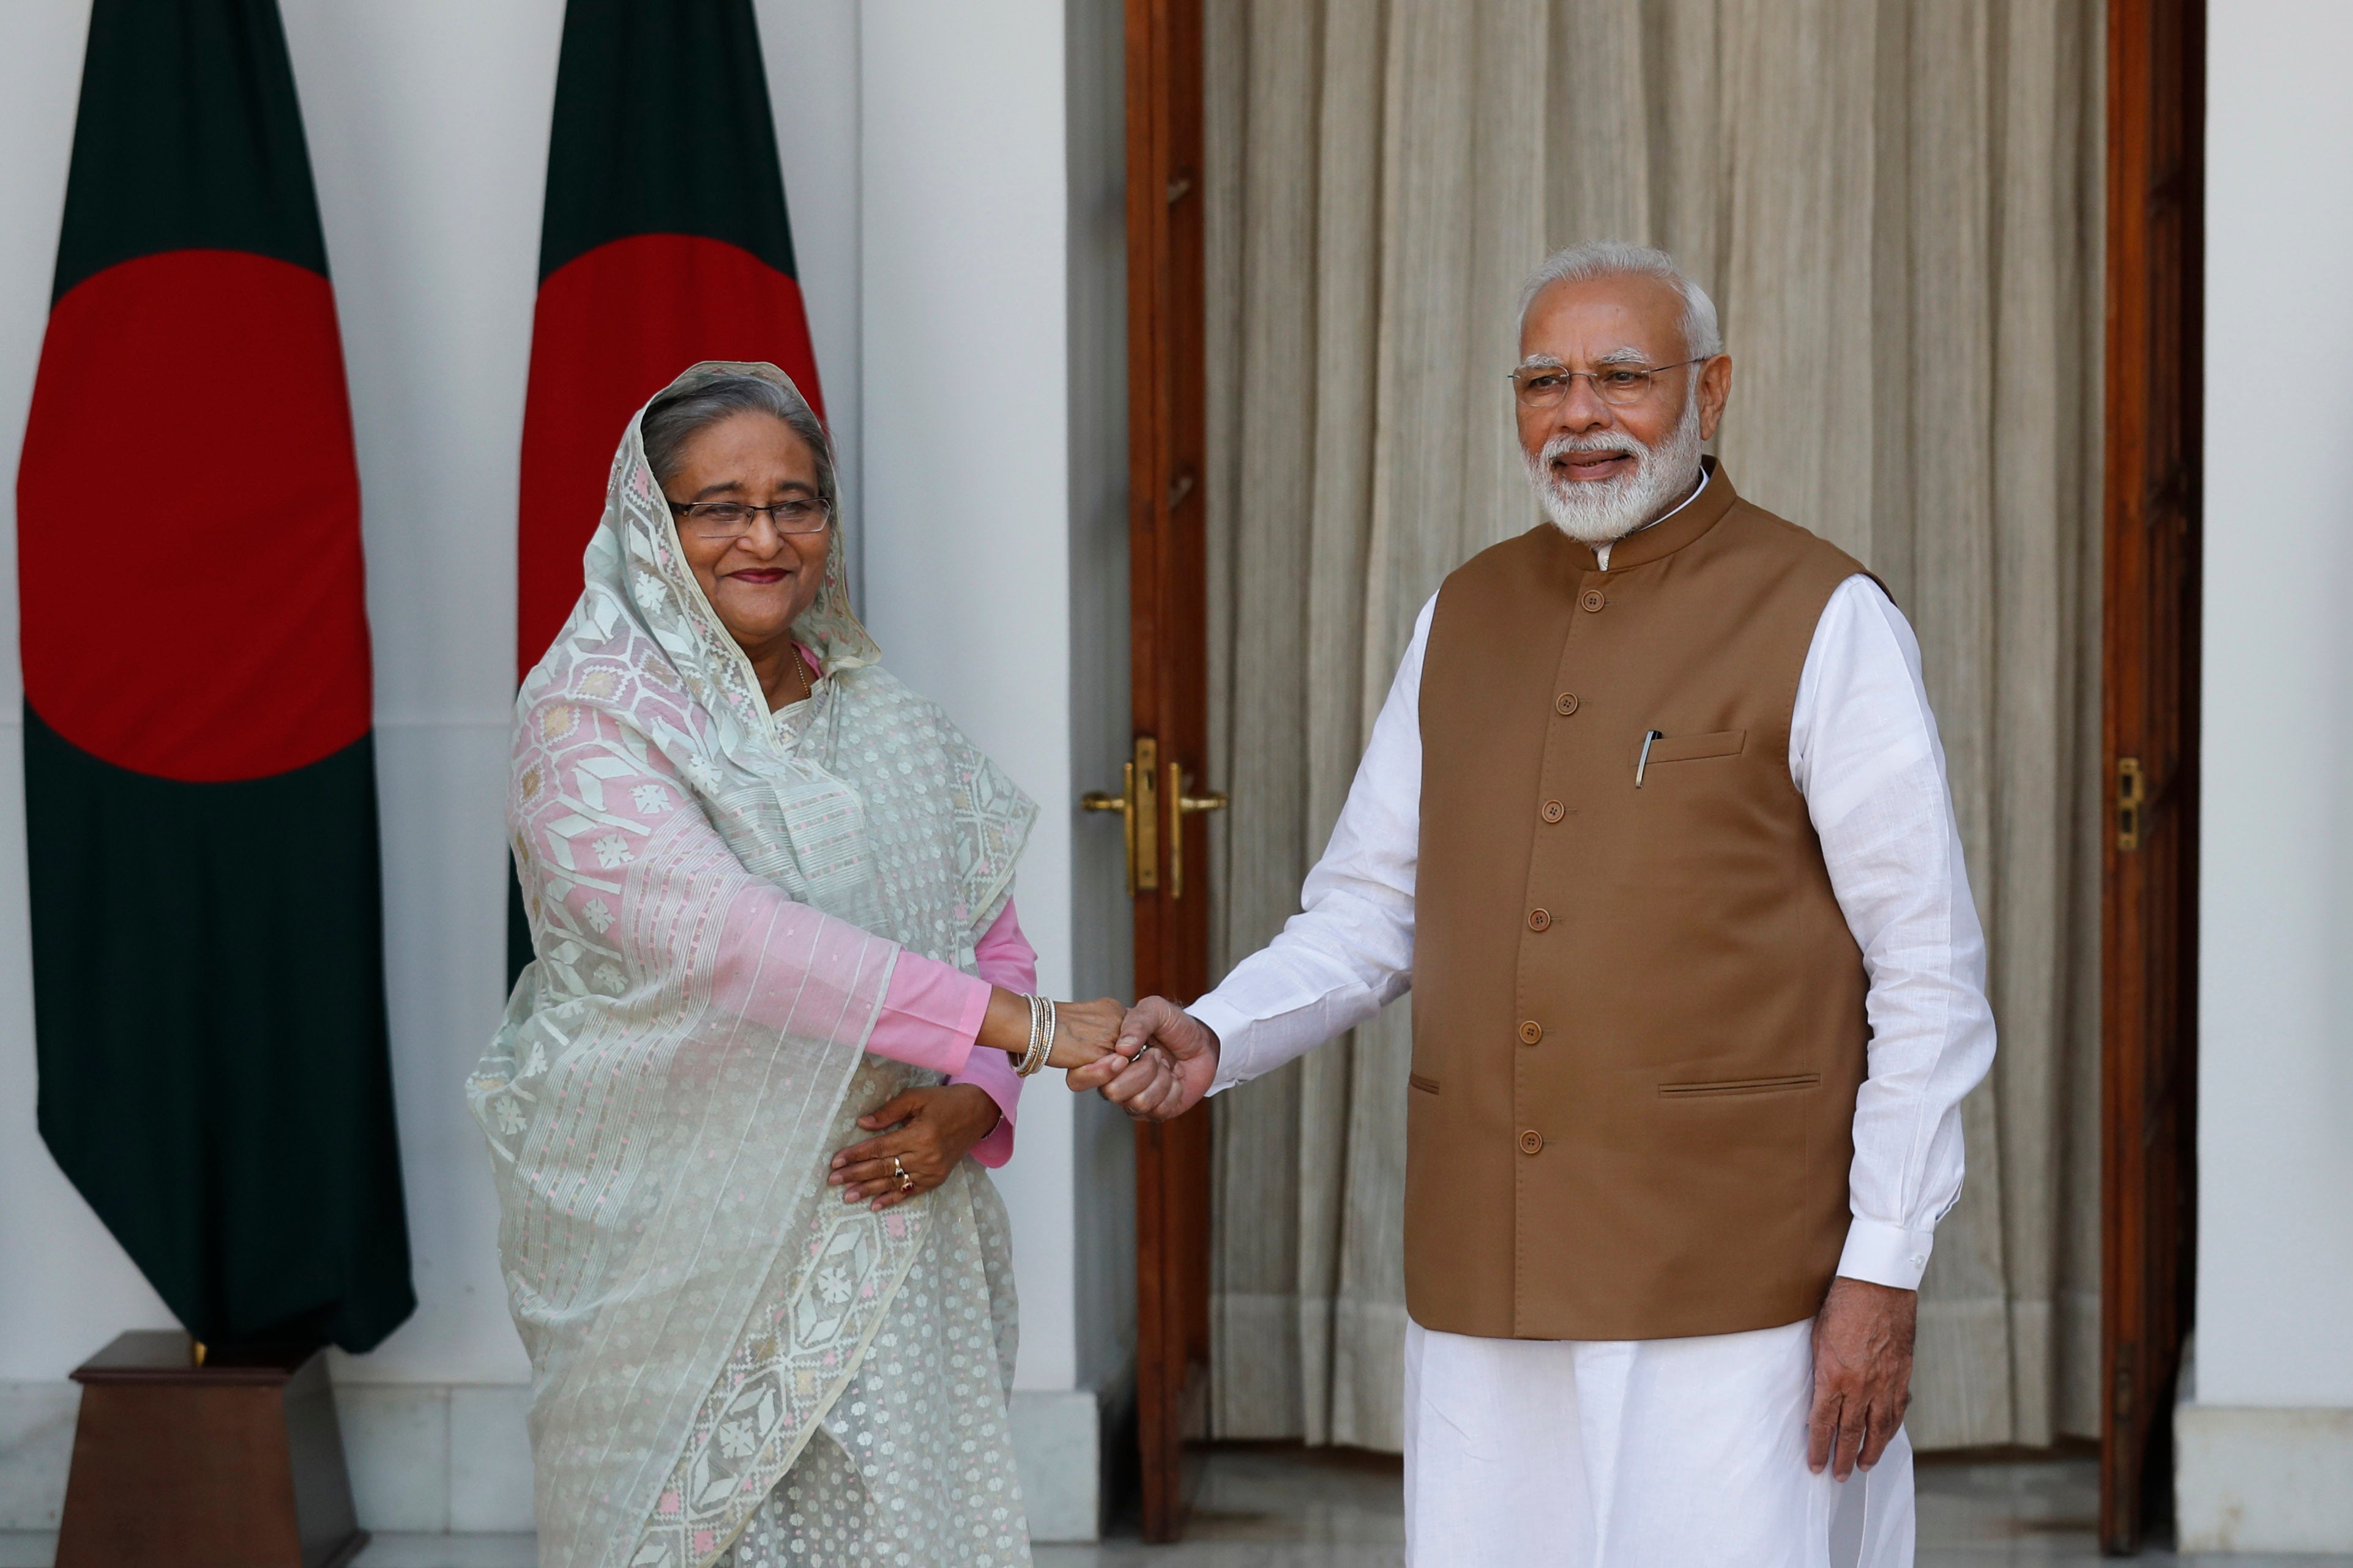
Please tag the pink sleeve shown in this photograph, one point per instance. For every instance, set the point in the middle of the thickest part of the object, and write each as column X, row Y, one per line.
column 929, row 1015
column 600, row 819
column 933, row 1010
column 588, row 799
column 1005, row 958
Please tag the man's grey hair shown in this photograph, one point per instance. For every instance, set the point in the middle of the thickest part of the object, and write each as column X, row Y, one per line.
column 673, row 420
column 1702, row 339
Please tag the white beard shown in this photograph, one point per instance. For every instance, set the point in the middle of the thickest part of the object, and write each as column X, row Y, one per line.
column 1602, row 511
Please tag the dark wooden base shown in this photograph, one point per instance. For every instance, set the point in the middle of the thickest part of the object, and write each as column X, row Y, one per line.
column 235, row 1464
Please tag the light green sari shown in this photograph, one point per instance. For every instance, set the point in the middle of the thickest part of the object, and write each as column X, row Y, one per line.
column 677, row 1067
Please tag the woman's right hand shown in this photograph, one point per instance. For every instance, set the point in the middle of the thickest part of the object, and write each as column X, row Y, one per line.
column 1083, row 1031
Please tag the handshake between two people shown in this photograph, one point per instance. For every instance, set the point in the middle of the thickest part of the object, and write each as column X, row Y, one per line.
column 1159, row 1064
column 1153, row 1060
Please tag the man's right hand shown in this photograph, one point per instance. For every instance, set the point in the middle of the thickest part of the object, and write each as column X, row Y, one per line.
column 1175, row 1057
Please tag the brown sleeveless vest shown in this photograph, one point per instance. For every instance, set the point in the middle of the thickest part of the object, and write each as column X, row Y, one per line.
column 1638, row 1013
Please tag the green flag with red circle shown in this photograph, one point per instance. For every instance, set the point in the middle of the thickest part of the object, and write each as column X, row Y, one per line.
column 199, row 772
column 664, row 241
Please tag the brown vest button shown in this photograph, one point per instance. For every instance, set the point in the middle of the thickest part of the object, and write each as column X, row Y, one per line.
column 1530, row 1032
column 1566, row 702
column 1593, row 599
column 1539, row 919
column 1554, row 811
column 1531, row 1142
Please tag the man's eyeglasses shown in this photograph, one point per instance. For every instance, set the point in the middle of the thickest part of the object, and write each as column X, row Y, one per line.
column 1621, row 386
column 719, row 519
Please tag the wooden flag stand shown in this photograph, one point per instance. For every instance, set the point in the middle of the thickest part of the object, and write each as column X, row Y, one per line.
column 236, row 1463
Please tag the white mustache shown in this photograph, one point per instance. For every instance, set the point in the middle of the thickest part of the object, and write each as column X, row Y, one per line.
column 1561, row 446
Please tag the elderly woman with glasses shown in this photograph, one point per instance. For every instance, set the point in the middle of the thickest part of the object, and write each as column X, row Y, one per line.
column 776, row 1021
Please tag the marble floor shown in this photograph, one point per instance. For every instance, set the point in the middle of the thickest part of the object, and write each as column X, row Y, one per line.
column 1290, row 1508
column 1270, row 1507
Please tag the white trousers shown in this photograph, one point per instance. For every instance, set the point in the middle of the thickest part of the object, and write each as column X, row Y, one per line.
column 1634, row 1454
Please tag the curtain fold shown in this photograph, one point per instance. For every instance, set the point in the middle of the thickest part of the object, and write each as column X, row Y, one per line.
column 1896, row 208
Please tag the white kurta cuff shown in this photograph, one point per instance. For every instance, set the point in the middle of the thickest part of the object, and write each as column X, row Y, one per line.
column 1884, row 1254
column 1229, row 1024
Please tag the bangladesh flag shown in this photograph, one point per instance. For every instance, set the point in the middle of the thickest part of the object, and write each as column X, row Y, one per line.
column 199, row 779
column 664, row 242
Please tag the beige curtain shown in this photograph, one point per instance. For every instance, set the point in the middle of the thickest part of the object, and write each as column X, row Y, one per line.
column 1895, row 206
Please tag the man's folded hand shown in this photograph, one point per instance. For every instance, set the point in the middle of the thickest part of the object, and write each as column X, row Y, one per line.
column 1160, row 1066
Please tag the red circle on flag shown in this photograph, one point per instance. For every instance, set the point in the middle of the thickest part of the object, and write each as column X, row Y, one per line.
column 613, row 327
column 188, row 521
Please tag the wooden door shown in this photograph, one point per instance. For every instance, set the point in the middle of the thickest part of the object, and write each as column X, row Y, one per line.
column 1169, row 648
column 2149, row 725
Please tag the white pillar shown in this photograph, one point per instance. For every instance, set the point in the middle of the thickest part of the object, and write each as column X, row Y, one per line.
column 2265, row 1434
column 966, row 417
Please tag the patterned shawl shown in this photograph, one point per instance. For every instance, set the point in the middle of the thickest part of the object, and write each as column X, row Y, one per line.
column 664, row 1095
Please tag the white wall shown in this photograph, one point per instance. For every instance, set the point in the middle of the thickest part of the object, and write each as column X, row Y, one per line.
column 2275, row 1020
column 967, row 388
column 2275, row 972
column 1104, row 938
column 924, row 153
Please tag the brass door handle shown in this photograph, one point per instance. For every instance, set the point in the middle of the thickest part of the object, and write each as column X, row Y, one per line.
column 1123, row 803
column 1180, row 807
column 1138, row 804
column 2132, row 803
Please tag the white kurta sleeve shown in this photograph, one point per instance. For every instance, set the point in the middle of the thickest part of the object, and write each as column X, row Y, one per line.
column 1863, row 750
column 1350, row 949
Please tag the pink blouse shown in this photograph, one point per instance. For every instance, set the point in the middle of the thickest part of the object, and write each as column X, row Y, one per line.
column 931, row 1016
column 931, row 1011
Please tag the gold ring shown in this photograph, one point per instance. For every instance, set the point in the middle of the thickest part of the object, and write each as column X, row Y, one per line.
column 898, row 1167
column 906, row 1183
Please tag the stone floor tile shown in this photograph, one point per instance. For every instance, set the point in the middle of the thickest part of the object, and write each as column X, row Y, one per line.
column 393, row 1550
column 1264, row 1506
column 37, row 1427
column 489, row 1458
column 28, row 1548
column 396, row 1449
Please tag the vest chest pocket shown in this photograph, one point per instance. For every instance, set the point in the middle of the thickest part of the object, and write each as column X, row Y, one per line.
column 1694, row 748
column 1741, row 1086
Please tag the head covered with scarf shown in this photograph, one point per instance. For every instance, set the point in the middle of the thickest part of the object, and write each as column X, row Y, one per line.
column 717, row 894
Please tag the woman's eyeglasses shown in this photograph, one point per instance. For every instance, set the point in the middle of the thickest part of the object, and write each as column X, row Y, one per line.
column 718, row 519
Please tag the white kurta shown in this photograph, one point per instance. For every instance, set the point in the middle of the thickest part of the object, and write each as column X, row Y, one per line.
column 1662, row 1458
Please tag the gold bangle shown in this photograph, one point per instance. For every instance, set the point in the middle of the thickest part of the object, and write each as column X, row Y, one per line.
column 1029, row 1054
column 1041, row 1036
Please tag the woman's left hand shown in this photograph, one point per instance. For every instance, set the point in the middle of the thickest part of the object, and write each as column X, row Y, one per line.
column 925, row 1131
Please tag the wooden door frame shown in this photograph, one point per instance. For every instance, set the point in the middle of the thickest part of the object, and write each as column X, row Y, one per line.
column 1168, row 645
column 2149, row 680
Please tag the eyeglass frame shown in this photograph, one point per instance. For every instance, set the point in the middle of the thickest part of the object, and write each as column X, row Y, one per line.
column 1650, row 373
column 687, row 509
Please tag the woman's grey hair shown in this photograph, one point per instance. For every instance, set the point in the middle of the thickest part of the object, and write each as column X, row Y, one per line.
column 673, row 418
column 1702, row 339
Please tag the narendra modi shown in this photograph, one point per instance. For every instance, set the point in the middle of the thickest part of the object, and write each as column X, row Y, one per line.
column 1655, row 826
